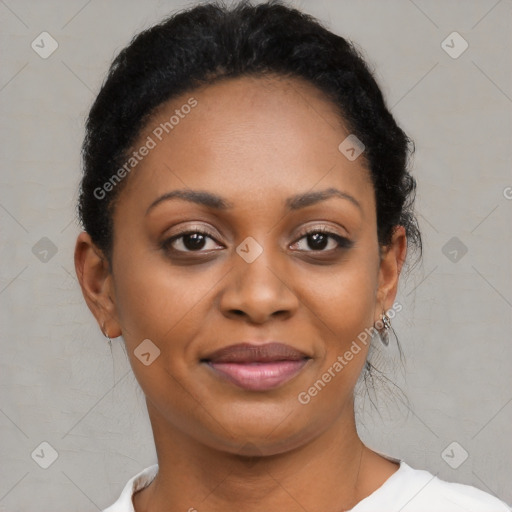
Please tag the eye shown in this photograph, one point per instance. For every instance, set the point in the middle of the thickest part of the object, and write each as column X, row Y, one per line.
column 195, row 240
column 321, row 239
column 191, row 240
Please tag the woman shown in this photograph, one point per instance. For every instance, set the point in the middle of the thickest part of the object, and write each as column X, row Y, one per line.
column 247, row 211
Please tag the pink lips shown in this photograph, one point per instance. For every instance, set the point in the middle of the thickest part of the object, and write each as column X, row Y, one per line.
column 257, row 367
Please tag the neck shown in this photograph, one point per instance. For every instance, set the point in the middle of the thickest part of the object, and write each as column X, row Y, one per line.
column 328, row 472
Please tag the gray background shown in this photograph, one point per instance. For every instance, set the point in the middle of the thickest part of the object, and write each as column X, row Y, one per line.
column 61, row 384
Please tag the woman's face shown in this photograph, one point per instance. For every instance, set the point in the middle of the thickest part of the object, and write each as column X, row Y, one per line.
column 259, row 160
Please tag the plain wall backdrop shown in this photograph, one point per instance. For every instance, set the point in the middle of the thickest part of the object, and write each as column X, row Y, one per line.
column 60, row 383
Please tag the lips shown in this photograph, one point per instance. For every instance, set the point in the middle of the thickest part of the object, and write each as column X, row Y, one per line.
column 257, row 367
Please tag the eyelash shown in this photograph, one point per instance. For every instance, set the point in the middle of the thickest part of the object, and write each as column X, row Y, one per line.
column 342, row 242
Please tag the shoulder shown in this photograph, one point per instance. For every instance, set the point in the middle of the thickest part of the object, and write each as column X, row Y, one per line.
column 451, row 495
column 141, row 480
column 417, row 490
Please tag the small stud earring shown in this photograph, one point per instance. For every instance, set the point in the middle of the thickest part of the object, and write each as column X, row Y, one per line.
column 106, row 335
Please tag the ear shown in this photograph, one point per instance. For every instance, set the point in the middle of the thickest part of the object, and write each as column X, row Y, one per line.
column 391, row 262
column 95, row 278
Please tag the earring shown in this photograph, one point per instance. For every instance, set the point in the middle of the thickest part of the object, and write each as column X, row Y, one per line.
column 106, row 335
column 383, row 333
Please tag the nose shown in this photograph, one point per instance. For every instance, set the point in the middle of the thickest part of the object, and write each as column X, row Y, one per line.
column 258, row 291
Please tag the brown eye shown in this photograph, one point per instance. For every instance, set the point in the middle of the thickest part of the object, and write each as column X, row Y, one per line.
column 321, row 240
column 190, row 241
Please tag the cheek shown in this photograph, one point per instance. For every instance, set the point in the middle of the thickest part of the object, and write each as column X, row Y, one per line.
column 343, row 310
column 166, row 306
column 346, row 299
column 157, row 301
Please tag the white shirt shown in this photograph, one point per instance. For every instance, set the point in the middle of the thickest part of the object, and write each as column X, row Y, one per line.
column 406, row 490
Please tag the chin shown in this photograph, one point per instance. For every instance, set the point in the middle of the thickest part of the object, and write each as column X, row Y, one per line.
column 267, row 430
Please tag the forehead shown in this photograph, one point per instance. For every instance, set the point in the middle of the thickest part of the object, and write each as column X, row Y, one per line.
column 248, row 138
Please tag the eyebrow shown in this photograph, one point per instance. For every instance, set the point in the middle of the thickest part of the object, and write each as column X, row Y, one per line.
column 217, row 202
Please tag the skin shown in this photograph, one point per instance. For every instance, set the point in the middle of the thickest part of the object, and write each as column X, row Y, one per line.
column 256, row 142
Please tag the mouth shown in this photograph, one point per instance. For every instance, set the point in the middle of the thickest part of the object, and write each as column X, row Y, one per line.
column 257, row 367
